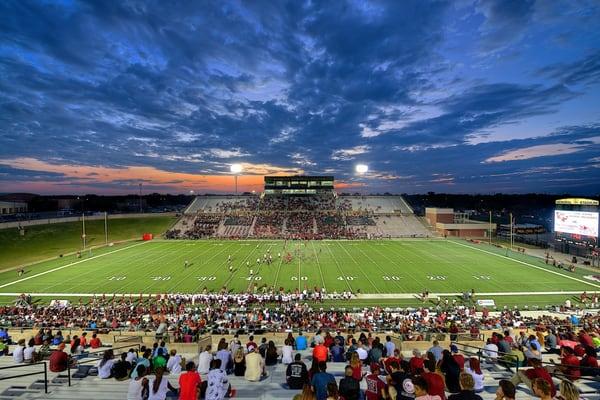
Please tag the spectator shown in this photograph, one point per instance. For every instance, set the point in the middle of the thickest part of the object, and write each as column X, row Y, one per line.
column 466, row 389
column 490, row 350
column 174, row 363
column 76, row 347
column 262, row 349
column 435, row 382
column 204, row 360
column 451, row 372
column 143, row 360
column 320, row 380
column 396, row 376
column 422, row 389
column 356, row 366
column 363, row 354
column 416, row 362
column 506, row 390
column 474, row 368
column 551, row 343
column 131, row 357
column 349, row 386
column 389, row 346
column 239, row 362
column 57, row 339
column 255, row 366
column 337, row 351
column 376, row 352
column 105, row 365
column 44, row 349
column 307, row 393
column 301, row 342
column 158, row 386
column 569, row 363
column 122, row 368
column 568, row 391
column 459, row 358
column 286, row 351
column 159, row 361
column 29, row 353
column 271, row 354
column 189, row 383
column 332, row 391
column 589, row 362
column 138, row 386
column 376, row 389
column 225, row 356
column 296, row 374
column 18, row 352
column 218, row 384
column 83, row 340
column 320, row 352
column 528, row 376
column 250, row 342
column 59, row 360
column 541, row 389
column 95, row 341
column 437, row 350
column 532, row 351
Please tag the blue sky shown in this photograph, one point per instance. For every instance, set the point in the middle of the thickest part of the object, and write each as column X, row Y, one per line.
column 458, row 96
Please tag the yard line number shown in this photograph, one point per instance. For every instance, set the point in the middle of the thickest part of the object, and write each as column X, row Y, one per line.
column 436, row 277
column 117, row 278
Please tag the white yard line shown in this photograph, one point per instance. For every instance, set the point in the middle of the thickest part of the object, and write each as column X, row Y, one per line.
column 525, row 263
column 71, row 264
column 318, row 263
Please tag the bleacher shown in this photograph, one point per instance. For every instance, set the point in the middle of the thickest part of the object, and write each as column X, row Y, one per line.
column 377, row 204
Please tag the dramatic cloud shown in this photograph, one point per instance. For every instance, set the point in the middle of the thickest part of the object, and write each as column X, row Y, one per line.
column 432, row 95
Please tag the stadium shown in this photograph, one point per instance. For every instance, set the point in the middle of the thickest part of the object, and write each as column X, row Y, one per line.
column 273, row 200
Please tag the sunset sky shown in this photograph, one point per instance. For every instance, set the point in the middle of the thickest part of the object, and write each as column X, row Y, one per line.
column 446, row 96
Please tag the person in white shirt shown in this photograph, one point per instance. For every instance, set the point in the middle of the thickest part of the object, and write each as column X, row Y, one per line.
column 174, row 363
column 18, row 355
column 105, row 365
column 158, row 386
column 204, row 360
column 473, row 367
column 29, row 354
column 362, row 353
column 286, row 352
column 136, row 385
column 490, row 350
column 131, row 357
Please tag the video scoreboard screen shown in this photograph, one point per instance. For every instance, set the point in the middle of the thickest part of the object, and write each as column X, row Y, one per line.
column 583, row 223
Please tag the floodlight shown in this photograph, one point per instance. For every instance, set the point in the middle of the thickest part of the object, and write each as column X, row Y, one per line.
column 236, row 168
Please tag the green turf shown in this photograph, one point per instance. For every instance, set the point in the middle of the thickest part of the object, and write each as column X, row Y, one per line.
column 371, row 267
column 44, row 241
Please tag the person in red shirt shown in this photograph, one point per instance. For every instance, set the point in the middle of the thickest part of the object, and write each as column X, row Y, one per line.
column 435, row 382
column 416, row 362
column 528, row 376
column 251, row 342
column 590, row 362
column 585, row 339
column 387, row 361
column 95, row 342
column 569, row 363
column 59, row 360
column 459, row 358
column 83, row 340
column 376, row 388
column 189, row 382
column 320, row 352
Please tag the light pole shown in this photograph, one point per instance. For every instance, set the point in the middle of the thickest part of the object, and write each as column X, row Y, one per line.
column 361, row 170
column 235, row 170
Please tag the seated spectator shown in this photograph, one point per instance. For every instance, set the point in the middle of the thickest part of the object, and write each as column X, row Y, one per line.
column 4, row 335
column 143, row 360
column 435, row 382
column 255, row 366
column 396, row 376
column 122, row 368
column 389, row 346
column 376, row 388
column 466, row 389
column 83, row 340
column 490, row 350
column 57, row 339
column 239, row 362
column 337, row 352
column 262, row 348
column 271, row 354
column 174, row 363
column 159, row 385
column 459, row 358
column 204, row 360
column 349, row 386
column 376, row 352
column 3, row 348
column 451, row 372
column 105, row 365
column 18, row 352
column 551, row 343
column 95, row 341
column 296, row 374
column 320, row 352
column 287, row 351
column 568, row 391
column 251, row 342
column 159, row 361
column 307, row 393
column 301, row 342
column 76, row 347
column 528, row 376
column 332, row 391
column 29, row 353
column 589, row 362
column 416, row 362
column 569, row 363
column 421, row 389
column 45, row 349
column 506, row 390
column 541, row 389
column 218, row 386
column 189, row 383
column 356, row 366
column 138, row 386
column 474, row 368
column 532, row 352
column 362, row 352
column 59, row 360
column 437, row 350
column 320, row 380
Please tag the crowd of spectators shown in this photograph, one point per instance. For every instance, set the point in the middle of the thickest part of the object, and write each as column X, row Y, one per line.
column 205, row 225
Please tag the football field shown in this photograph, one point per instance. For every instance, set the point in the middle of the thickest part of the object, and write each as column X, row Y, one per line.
column 376, row 269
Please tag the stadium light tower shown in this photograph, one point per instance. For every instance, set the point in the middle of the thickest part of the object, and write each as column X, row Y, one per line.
column 235, row 170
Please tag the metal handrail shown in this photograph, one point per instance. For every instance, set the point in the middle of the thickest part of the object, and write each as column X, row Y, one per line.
column 96, row 359
column 481, row 349
column 45, row 372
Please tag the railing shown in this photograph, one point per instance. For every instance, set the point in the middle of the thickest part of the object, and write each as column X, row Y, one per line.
column 45, row 372
column 505, row 357
column 441, row 336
